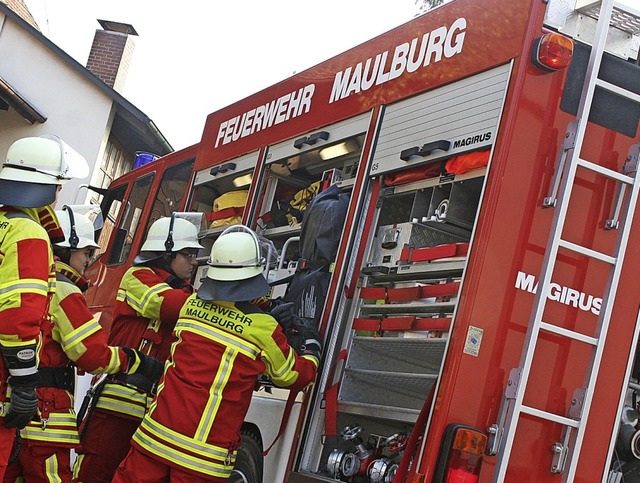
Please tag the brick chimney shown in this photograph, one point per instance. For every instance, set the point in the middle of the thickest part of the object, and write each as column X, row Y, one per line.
column 111, row 52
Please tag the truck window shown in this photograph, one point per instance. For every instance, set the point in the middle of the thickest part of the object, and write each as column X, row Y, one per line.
column 129, row 222
column 111, row 207
column 172, row 190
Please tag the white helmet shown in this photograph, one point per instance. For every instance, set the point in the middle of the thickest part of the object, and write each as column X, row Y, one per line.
column 238, row 260
column 170, row 234
column 34, row 167
column 79, row 230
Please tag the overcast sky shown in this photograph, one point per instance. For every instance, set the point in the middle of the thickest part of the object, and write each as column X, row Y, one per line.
column 193, row 57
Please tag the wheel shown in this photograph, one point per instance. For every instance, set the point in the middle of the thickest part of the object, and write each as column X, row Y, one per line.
column 249, row 461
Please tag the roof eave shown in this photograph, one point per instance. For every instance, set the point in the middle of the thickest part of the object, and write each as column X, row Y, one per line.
column 109, row 91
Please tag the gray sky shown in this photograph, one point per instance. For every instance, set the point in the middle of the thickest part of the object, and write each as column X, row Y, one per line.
column 193, row 57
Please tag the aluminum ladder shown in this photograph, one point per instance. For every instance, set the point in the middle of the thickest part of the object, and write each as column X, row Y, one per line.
column 566, row 452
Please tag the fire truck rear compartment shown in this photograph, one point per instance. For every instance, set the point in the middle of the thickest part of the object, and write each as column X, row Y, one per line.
column 397, row 326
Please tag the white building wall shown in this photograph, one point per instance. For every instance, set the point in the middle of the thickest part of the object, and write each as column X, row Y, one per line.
column 76, row 110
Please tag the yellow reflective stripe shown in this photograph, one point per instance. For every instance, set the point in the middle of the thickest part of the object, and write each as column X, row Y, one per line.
column 189, row 444
column 17, row 343
column 29, row 285
column 287, row 367
column 313, row 359
column 124, row 400
column 77, row 465
column 122, row 296
column 79, row 334
column 50, row 436
column 209, row 332
column 121, row 407
column 215, row 394
column 60, row 428
column 140, row 305
column 114, row 361
column 157, row 434
column 122, row 391
column 52, row 469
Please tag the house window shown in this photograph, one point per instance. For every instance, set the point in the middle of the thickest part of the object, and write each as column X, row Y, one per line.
column 114, row 164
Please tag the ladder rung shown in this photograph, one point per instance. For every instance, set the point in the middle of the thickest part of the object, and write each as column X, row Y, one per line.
column 587, row 251
column 621, row 91
column 609, row 173
column 568, row 333
column 556, row 418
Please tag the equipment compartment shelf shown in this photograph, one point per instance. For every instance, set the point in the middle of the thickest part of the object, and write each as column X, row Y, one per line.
column 377, row 411
column 410, row 308
column 402, row 355
column 282, row 230
column 437, row 269
column 400, row 390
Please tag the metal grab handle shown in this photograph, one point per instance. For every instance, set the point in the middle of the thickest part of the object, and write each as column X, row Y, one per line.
column 223, row 168
column 425, row 150
column 311, row 139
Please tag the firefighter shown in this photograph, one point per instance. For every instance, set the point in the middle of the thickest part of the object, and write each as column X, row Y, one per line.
column 74, row 336
column 192, row 430
column 149, row 299
column 30, row 178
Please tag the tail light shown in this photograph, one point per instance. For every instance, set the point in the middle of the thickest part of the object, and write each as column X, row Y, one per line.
column 552, row 52
column 461, row 456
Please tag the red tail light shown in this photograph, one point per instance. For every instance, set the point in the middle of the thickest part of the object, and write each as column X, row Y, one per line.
column 552, row 52
column 461, row 456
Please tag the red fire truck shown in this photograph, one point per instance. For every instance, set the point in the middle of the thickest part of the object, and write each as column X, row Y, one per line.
column 480, row 311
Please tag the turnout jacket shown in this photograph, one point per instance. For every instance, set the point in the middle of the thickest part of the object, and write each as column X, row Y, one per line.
column 146, row 310
column 72, row 335
column 27, row 279
column 222, row 347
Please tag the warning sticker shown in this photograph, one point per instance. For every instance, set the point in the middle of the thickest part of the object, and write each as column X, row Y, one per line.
column 474, row 339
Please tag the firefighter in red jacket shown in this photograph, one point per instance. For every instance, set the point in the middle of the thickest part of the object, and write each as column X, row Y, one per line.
column 74, row 336
column 192, row 430
column 149, row 300
column 30, row 177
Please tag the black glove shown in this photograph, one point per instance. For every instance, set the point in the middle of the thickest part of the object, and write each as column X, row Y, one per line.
column 143, row 365
column 24, row 401
column 305, row 338
column 284, row 314
column 23, row 379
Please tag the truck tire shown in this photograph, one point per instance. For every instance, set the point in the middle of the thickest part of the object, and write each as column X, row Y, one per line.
column 249, row 462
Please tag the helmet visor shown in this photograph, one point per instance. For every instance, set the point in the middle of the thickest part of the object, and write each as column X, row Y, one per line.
column 177, row 242
column 267, row 255
column 92, row 212
column 193, row 217
column 80, row 223
column 73, row 163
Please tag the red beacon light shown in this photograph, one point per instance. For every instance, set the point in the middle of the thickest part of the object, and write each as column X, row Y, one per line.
column 552, row 52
